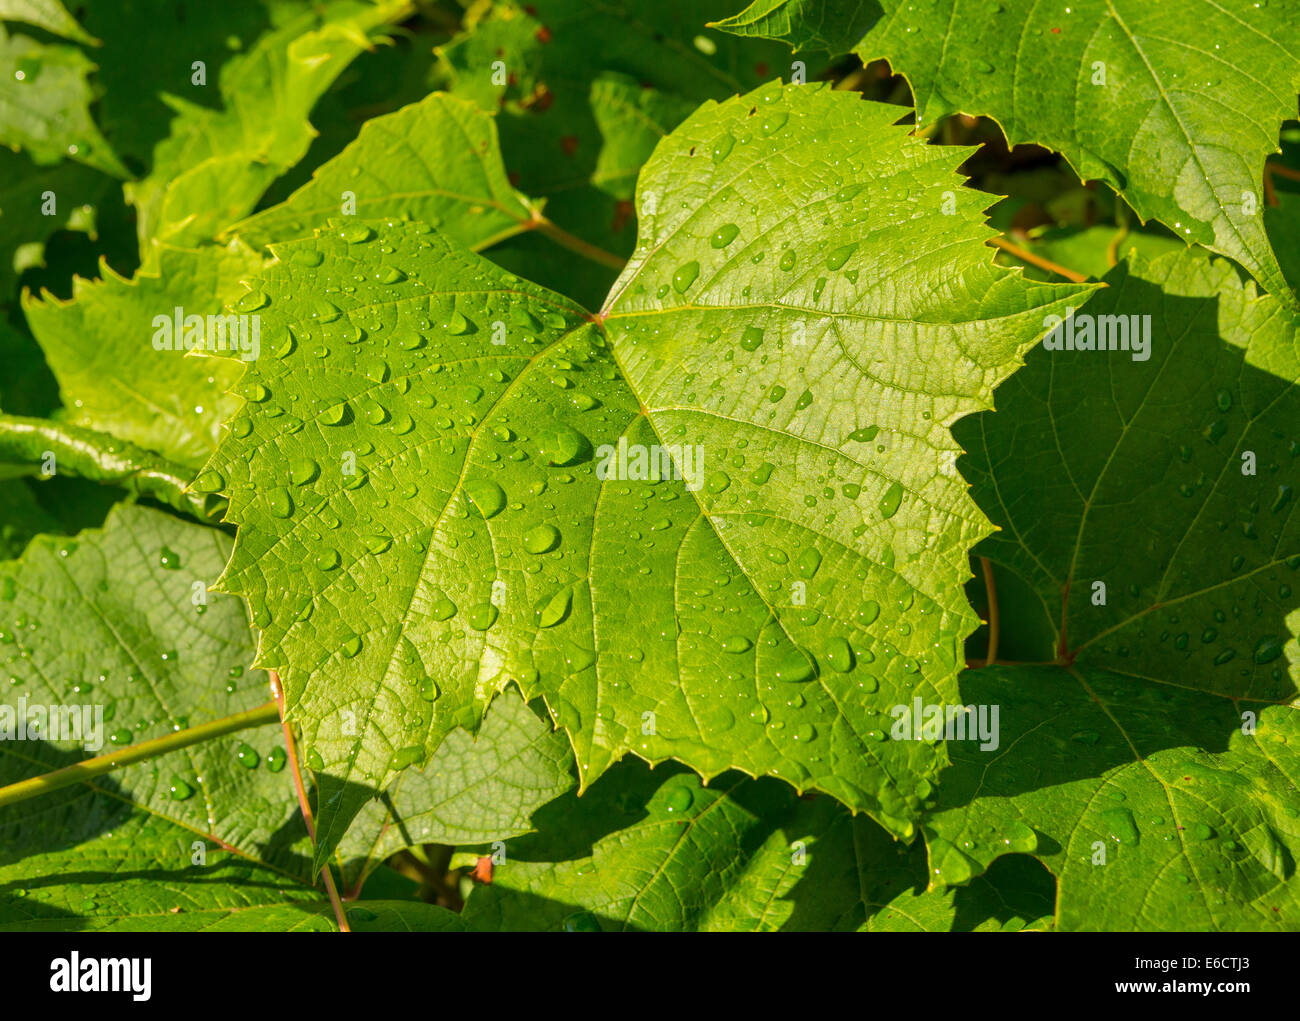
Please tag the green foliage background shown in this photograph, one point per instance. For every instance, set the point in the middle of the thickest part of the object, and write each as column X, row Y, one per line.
column 385, row 647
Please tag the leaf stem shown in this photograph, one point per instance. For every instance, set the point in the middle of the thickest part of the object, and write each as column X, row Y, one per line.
column 1025, row 255
column 575, row 244
column 81, row 771
column 303, row 803
column 100, row 457
column 992, row 589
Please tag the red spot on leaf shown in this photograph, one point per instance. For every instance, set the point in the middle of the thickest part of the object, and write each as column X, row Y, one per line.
column 514, row 178
column 482, row 870
column 1056, row 31
column 569, row 143
column 761, row 69
column 543, row 35
column 623, row 210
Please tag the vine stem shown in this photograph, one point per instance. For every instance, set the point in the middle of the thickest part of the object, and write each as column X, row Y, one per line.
column 992, row 589
column 89, row 769
column 292, row 748
column 97, row 456
column 575, row 244
column 1024, row 255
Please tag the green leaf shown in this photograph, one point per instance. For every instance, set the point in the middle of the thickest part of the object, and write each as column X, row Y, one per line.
column 109, row 620
column 216, row 163
column 826, row 26
column 81, row 860
column 120, row 619
column 1197, row 820
column 45, row 99
column 1141, row 483
column 584, row 93
column 1175, row 105
column 436, row 160
column 26, row 191
column 101, row 347
column 47, row 14
column 765, row 620
column 21, row 517
column 475, row 790
column 1152, row 770
column 641, row 851
column 92, row 864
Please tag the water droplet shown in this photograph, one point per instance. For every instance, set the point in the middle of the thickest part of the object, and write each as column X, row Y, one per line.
column 541, row 539
column 838, row 655
column 276, row 759
column 209, row 482
column 556, row 609
column 488, row 498
column 808, row 562
column 724, row 235
column 303, row 470
column 180, row 790
column 890, row 502
column 247, row 757
column 736, row 644
column 482, row 616
column 457, row 324
column 686, row 275
column 279, row 502
column 1121, row 825
column 169, row 559
column 404, row 757
column 839, row 256
column 356, row 233
column 1268, row 649
column 679, row 799
column 582, row 921
column 561, row 445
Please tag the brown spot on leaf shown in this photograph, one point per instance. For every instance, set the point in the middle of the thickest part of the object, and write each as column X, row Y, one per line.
column 623, row 210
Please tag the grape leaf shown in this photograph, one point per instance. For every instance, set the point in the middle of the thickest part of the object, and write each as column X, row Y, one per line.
column 475, row 790
column 641, row 851
column 45, row 99
column 50, row 15
column 100, row 346
column 436, row 160
column 1175, row 105
column 80, row 860
column 153, row 662
column 433, row 450
column 214, row 165
column 1162, row 738
column 25, row 190
column 565, row 76
column 134, row 643
column 827, row 26
column 21, row 517
column 1141, row 482
column 1197, row 821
